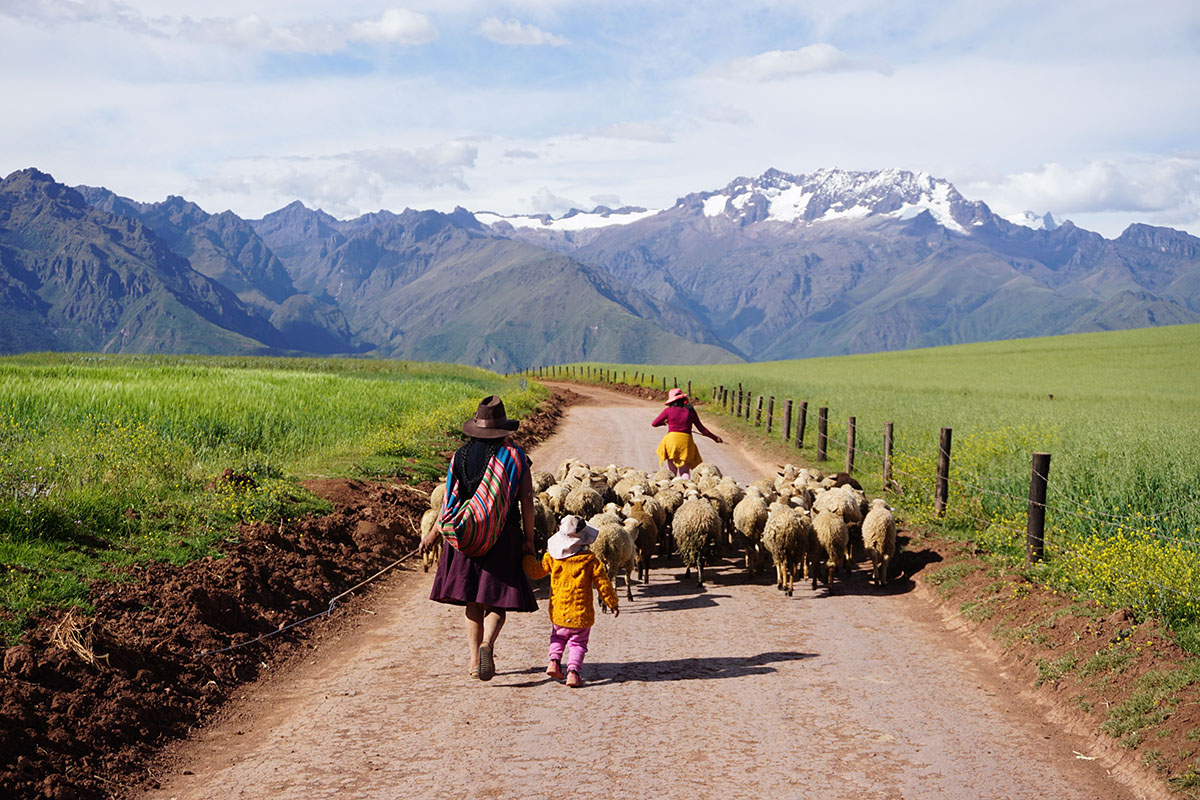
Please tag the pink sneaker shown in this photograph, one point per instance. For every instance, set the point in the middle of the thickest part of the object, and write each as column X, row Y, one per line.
column 554, row 669
column 573, row 679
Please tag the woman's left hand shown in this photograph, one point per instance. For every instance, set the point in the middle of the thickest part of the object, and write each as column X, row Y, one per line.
column 428, row 541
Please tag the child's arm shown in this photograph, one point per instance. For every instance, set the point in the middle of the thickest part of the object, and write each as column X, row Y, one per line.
column 536, row 569
column 600, row 581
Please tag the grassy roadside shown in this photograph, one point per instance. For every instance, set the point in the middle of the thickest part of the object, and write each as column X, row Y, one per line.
column 109, row 461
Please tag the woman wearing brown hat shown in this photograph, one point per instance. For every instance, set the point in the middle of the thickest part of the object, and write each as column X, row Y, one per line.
column 491, row 583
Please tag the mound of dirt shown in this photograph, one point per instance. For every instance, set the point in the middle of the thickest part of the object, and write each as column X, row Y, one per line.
column 85, row 700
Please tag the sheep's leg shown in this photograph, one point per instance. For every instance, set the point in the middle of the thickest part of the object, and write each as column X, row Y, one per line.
column 700, row 573
column 628, row 584
column 883, row 573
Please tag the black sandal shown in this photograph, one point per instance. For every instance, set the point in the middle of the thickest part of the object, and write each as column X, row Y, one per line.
column 487, row 667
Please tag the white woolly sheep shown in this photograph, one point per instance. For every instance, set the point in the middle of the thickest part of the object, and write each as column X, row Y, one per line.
column 847, row 502
column 583, row 501
column 566, row 466
column 879, row 539
column 437, row 496
column 786, row 537
column 541, row 481
column 696, row 527
column 557, row 495
column 615, row 549
column 646, row 537
column 828, row 547
column 706, row 469
column 749, row 519
column 430, row 557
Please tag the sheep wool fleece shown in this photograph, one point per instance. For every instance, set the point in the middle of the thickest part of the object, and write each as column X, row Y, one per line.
column 571, row 583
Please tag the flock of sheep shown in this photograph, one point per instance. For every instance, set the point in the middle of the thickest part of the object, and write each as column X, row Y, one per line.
column 805, row 520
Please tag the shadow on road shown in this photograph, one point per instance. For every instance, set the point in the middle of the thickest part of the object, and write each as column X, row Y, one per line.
column 601, row 673
column 686, row 669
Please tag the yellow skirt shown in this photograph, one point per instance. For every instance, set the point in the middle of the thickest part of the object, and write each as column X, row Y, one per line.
column 679, row 449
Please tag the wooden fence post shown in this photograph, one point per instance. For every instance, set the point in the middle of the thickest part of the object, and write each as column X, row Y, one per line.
column 758, row 412
column 689, row 388
column 822, row 431
column 1035, row 527
column 770, row 412
column 749, row 404
column 941, row 491
column 664, row 383
column 739, row 403
column 887, row 456
column 850, row 445
column 676, row 380
column 801, row 421
column 787, row 421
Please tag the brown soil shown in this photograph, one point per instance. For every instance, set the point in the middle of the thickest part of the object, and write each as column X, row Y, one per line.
column 79, row 721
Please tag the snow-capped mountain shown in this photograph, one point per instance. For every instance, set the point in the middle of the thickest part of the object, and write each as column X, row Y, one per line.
column 835, row 194
column 1039, row 222
column 777, row 196
column 573, row 220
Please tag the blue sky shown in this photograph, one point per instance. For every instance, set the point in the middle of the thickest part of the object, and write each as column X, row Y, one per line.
column 1085, row 108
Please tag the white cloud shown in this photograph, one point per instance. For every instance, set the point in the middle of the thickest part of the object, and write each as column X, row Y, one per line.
column 516, row 152
column 345, row 184
column 396, row 26
column 610, row 200
column 1161, row 189
column 514, row 32
column 636, row 131
column 725, row 113
column 545, row 201
column 814, row 58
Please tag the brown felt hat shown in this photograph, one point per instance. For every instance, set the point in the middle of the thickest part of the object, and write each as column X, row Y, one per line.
column 490, row 421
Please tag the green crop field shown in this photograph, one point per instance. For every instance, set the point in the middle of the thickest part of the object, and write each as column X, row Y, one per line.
column 107, row 460
column 1119, row 413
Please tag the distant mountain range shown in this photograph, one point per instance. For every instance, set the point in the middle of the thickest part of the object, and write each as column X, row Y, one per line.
column 777, row 266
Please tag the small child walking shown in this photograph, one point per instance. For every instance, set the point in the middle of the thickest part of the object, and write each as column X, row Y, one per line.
column 574, row 572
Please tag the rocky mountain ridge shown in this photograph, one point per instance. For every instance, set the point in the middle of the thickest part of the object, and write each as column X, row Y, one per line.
column 776, row 266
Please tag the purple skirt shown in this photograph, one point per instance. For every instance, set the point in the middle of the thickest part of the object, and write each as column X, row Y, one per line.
column 493, row 579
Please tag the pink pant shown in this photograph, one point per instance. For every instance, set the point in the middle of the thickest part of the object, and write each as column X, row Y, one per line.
column 574, row 640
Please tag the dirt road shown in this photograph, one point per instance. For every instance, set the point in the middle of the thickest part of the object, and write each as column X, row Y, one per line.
column 734, row 691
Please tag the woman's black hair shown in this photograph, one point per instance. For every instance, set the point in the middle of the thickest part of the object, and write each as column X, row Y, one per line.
column 471, row 460
column 682, row 401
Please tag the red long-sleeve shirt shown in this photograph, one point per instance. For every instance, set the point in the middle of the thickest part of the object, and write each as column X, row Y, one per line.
column 680, row 419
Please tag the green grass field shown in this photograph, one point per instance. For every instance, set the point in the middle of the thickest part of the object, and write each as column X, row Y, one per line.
column 1119, row 413
column 107, row 460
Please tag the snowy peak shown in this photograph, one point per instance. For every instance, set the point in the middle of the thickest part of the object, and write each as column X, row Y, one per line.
column 831, row 194
column 573, row 220
column 1039, row 222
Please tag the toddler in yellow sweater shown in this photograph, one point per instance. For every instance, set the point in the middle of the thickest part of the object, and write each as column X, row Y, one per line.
column 574, row 573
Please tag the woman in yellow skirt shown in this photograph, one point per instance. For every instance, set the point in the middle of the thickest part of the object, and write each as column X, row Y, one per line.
column 677, row 451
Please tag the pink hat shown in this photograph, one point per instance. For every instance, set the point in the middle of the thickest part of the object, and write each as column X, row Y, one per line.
column 675, row 394
column 573, row 535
